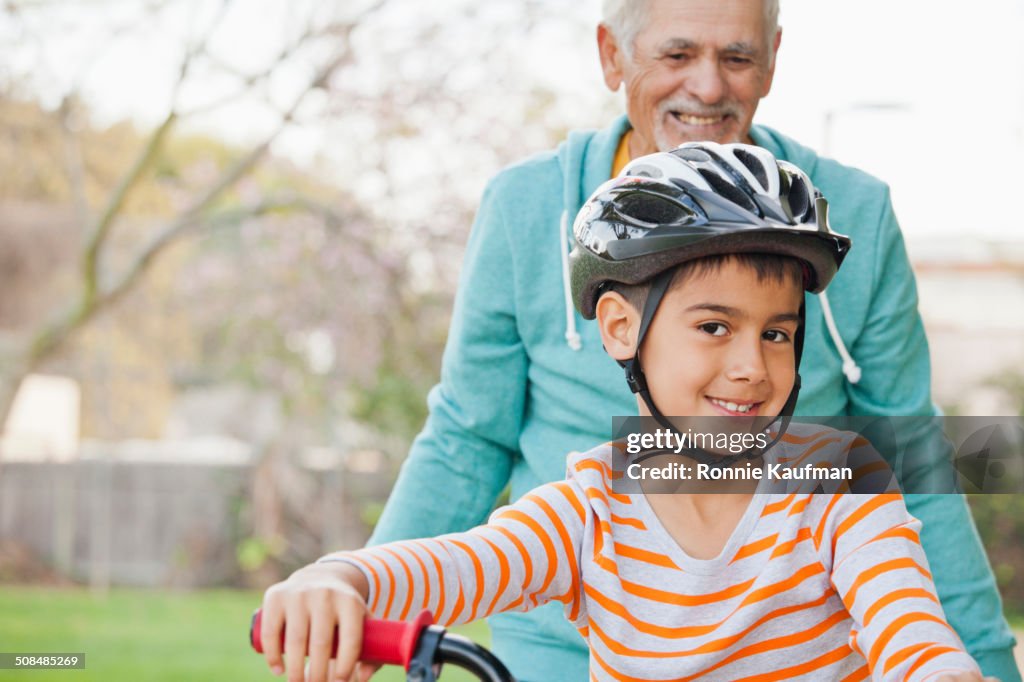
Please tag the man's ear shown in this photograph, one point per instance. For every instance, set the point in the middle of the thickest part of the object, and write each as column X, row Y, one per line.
column 611, row 57
column 774, row 57
column 619, row 323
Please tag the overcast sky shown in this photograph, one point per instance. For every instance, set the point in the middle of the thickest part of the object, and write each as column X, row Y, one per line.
column 949, row 76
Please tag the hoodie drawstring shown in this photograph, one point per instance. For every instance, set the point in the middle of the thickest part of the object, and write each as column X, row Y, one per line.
column 572, row 337
column 850, row 368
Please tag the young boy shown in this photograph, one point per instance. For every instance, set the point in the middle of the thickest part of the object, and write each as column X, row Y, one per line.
column 694, row 264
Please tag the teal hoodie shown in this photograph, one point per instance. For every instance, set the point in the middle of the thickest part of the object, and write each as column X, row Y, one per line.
column 525, row 381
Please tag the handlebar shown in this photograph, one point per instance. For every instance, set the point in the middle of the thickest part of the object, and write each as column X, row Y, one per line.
column 419, row 646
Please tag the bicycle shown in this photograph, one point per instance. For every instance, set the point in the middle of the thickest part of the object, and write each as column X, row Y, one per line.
column 421, row 647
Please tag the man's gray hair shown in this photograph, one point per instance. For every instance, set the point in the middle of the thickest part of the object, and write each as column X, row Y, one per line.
column 626, row 18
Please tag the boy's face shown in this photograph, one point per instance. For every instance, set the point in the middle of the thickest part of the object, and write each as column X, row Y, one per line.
column 720, row 344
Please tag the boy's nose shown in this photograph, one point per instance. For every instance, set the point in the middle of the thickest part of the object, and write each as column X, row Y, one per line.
column 747, row 364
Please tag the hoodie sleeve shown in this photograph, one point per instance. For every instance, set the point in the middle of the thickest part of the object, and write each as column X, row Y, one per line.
column 896, row 381
column 462, row 459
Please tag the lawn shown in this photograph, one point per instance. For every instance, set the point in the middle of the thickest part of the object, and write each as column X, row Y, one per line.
column 145, row 636
column 151, row 636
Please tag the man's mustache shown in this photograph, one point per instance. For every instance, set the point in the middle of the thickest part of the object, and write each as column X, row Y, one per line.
column 691, row 108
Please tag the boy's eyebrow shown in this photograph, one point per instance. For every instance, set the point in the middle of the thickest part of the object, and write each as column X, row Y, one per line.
column 737, row 313
column 785, row 317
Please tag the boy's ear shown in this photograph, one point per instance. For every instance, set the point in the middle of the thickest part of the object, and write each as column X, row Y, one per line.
column 619, row 323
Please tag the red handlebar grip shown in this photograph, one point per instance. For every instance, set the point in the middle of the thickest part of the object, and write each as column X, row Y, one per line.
column 386, row 642
column 393, row 642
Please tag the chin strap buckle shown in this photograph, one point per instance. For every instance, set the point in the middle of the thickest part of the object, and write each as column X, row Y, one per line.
column 634, row 376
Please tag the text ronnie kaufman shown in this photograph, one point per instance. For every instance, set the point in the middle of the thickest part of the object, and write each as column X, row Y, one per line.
column 780, row 472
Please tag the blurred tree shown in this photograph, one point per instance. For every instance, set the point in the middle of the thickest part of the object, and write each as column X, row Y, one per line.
column 1000, row 517
column 333, row 290
column 106, row 275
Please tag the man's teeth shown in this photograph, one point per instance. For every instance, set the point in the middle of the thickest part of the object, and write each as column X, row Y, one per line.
column 732, row 407
column 698, row 120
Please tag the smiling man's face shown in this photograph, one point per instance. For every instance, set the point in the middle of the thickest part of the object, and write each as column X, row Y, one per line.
column 697, row 71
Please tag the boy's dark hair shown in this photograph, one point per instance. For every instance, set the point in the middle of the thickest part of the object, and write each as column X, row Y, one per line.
column 768, row 266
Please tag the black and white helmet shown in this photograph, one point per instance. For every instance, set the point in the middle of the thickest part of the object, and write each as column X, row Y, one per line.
column 701, row 199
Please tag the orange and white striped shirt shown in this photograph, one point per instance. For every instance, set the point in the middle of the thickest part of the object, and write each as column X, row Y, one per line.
column 809, row 586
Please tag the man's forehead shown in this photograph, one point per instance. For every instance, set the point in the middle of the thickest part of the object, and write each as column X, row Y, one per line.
column 702, row 23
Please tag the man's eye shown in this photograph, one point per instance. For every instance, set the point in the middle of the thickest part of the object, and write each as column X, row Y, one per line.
column 776, row 336
column 714, row 328
column 739, row 61
column 678, row 56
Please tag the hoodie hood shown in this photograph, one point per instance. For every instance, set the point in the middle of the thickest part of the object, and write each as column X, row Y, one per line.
column 586, row 158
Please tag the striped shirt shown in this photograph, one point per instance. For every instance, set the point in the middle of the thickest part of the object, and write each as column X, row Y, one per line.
column 808, row 586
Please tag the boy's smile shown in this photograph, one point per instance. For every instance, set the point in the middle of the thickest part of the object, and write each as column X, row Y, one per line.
column 721, row 344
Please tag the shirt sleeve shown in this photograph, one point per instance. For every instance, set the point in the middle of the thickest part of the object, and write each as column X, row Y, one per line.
column 526, row 556
column 871, row 547
column 462, row 459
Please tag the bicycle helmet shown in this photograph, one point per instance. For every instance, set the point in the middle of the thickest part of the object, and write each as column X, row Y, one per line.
column 701, row 199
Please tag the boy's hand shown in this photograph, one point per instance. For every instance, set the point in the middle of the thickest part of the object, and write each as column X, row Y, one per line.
column 964, row 677
column 307, row 607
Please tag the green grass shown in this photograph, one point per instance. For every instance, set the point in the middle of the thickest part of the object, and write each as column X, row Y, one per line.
column 146, row 636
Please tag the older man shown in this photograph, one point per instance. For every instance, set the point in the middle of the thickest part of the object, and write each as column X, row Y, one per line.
column 518, row 390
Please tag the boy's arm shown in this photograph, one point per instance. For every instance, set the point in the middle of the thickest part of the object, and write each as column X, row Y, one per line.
column 527, row 555
column 870, row 546
column 462, row 459
column 896, row 381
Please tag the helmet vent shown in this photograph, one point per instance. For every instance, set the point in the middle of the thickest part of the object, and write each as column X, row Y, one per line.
column 728, row 190
column 646, row 171
column 799, row 199
column 692, row 154
column 753, row 165
column 651, row 209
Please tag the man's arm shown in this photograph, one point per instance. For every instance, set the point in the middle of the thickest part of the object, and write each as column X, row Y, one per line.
column 896, row 381
column 462, row 459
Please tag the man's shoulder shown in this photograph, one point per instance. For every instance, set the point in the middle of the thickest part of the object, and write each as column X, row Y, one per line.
column 541, row 170
column 847, row 188
column 548, row 171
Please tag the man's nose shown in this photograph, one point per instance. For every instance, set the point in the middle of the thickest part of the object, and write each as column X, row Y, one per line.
column 705, row 81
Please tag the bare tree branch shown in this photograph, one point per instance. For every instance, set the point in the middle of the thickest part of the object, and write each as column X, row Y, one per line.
column 68, row 115
column 100, row 232
column 95, row 297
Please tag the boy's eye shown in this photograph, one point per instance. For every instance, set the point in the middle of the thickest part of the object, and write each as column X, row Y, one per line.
column 714, row 328
column 776, row 336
